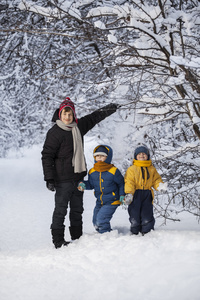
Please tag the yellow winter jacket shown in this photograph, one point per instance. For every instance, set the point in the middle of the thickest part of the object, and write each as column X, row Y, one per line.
column 142, row 175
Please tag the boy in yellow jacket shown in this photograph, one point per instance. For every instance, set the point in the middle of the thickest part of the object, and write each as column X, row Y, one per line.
column 140, row 178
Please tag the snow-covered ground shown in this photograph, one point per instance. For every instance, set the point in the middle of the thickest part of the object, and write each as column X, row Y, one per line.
column 164, row 264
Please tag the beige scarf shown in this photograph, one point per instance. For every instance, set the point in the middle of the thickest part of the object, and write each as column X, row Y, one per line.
column 78, row 160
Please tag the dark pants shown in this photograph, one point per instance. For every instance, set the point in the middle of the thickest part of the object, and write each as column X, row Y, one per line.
column 141, row 212
column 102, row 216
column 67, row 193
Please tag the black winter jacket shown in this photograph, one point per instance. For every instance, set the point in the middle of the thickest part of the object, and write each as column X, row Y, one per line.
column 58, row 147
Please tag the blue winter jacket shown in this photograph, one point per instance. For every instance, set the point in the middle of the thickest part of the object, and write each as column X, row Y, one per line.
column 109, row 185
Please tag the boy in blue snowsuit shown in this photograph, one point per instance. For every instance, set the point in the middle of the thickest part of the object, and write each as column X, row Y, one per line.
column 108, row 184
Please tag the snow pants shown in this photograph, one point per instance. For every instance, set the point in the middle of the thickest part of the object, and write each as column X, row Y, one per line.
column 102, row 215
column 68, row 194
column 141, row 212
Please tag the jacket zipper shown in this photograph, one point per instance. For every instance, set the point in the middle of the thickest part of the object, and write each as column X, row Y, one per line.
column 100, row 189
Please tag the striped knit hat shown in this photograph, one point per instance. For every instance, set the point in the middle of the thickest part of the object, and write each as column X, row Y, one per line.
column 101, row 150
column 67, row 103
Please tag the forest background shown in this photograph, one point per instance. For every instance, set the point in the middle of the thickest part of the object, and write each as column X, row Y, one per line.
column 143, row 55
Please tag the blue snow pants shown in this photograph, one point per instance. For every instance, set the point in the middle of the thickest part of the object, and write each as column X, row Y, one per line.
column 102, row 215
column 141, row 212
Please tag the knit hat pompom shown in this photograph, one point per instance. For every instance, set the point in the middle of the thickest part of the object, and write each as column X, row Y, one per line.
column 142, row 149
column 101, row 150
column 67, row 103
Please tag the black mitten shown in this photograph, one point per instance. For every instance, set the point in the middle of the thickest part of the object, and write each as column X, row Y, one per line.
column 111, row 106
column 50, row 185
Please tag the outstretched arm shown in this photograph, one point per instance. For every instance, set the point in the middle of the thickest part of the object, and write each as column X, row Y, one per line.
column 86, row 184
column 89, row 121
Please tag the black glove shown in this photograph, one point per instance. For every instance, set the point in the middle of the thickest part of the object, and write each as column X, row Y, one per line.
column 112, row 107
column 104, row 112
column 50, row 185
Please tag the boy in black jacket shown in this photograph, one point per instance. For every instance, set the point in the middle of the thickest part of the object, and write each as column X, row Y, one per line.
column 64, row 165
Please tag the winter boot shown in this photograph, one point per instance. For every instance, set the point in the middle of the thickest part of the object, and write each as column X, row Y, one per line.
column 58, row 238
column 60, row 244
column 75, row 232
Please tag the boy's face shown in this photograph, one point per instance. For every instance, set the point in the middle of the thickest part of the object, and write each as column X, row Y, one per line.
column 67, row 117
column 100, row 158
column 142, row 156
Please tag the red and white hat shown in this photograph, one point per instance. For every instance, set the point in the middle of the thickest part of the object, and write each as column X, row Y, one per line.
column 67, row 103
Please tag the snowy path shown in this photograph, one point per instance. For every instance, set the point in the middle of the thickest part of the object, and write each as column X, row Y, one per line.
column 164, row 264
